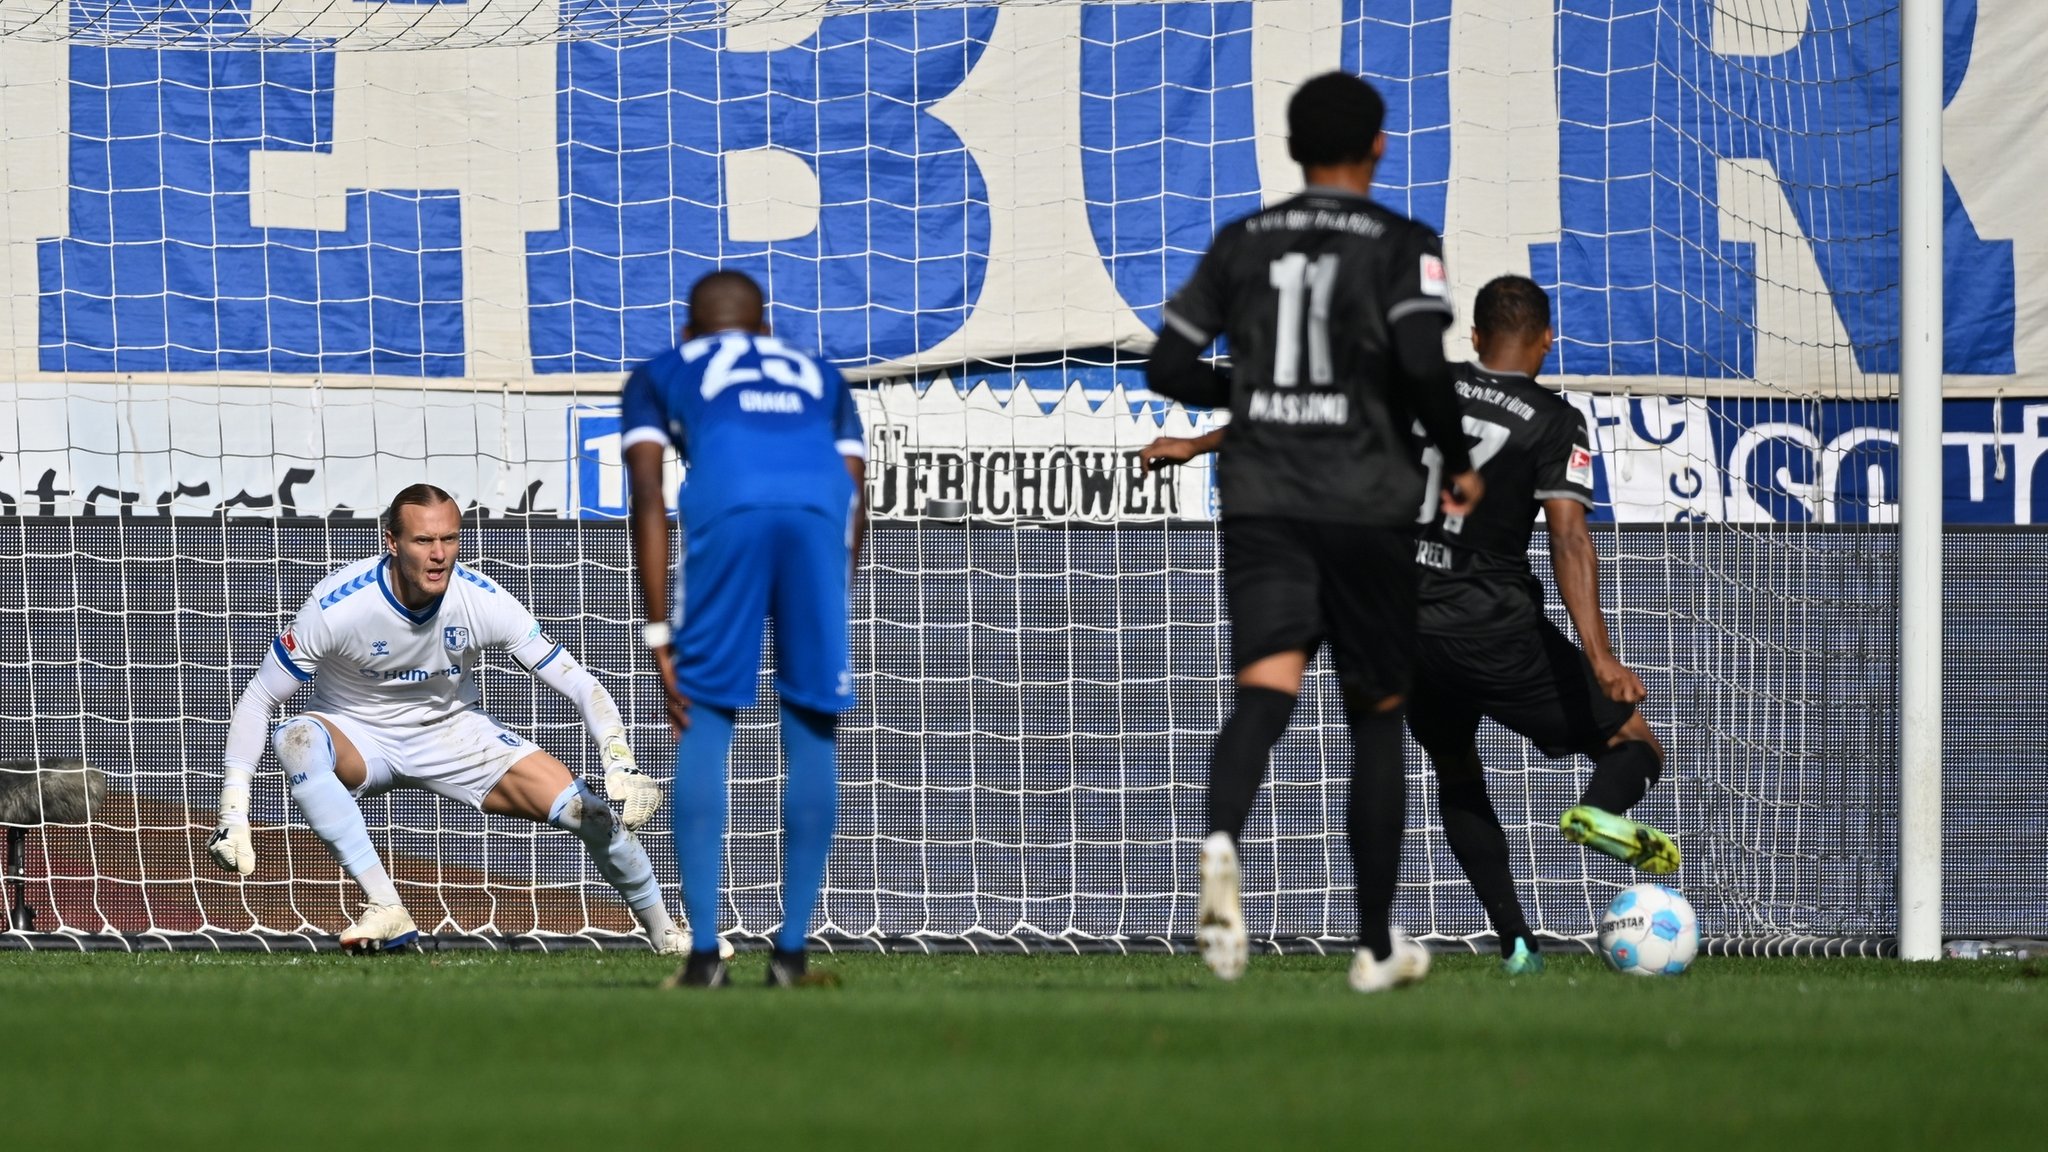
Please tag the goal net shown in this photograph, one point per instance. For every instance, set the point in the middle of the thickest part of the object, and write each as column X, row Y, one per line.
column 269, row 260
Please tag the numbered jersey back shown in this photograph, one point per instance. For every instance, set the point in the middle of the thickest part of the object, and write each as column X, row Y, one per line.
column 757, row 423
column 1306, row 295
column 1530, row 444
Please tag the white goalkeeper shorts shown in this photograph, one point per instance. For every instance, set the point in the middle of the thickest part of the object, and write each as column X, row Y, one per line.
column 461, row 757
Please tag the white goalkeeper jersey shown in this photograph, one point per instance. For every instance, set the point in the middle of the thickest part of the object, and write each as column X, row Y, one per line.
column 371, row 658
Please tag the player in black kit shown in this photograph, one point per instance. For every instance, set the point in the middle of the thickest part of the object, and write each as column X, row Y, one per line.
column 1334, row 310
column 1487, row 647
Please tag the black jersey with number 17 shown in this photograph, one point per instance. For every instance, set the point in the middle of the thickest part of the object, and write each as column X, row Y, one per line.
column 1530, row 445
column 1307, row 293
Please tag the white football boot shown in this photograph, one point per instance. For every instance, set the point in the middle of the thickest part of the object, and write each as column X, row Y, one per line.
column 1407, row 964
column 676, row 942
column 381, row 928
column 1220, row 927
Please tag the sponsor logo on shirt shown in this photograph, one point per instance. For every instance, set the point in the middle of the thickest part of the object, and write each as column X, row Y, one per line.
column 455, row 637
column 411, row 675
column 380, row 647
column 1579, row 469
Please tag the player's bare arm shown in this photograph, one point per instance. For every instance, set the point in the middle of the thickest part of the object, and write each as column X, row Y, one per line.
column 1167, row 451
column 1577, row 567
column 649, row 518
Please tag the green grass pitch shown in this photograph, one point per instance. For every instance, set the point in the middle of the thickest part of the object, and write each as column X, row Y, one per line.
column 580, row 1050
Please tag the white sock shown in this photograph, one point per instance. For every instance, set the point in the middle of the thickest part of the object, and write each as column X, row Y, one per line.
column 334, row 817
column 307, row 754
column 619, row 856
column 656, row 920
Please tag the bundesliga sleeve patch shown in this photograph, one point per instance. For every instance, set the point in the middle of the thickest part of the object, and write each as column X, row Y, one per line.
column 1579, row 469
column 1435, row 282
column 290, row 642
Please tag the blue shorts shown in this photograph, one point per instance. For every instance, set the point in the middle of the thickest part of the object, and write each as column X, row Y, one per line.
column 750, row 565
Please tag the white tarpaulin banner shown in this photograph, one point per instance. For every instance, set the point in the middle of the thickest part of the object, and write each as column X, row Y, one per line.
column 1059, row 444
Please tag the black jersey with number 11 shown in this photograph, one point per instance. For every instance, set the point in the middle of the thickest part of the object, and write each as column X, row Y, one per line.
column 1307, row 293
column 1530, row 445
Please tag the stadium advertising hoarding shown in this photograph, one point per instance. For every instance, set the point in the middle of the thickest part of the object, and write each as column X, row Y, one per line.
column 279, row 201
column 1055, row 444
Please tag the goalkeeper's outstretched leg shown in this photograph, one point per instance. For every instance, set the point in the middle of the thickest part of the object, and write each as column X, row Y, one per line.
column 540, row 788
column 324, row 764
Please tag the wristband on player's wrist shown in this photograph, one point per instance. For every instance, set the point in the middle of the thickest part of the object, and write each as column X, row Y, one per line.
column 656, row 634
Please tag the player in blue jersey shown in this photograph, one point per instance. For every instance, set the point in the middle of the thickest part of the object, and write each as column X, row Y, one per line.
column 771, row 511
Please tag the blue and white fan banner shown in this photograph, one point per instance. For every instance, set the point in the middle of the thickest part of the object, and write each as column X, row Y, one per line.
column 287, row 192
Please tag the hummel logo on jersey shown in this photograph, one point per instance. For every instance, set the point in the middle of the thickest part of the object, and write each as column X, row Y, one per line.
column 380, row 647
column 455, row 637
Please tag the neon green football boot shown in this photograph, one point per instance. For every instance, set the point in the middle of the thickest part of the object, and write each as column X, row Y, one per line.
column 1620, row 837
column 1525, row 960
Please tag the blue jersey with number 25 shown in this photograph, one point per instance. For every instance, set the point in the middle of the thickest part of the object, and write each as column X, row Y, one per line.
column 757, row 424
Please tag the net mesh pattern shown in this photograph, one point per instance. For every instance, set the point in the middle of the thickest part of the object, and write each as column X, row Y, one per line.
column 1030, row 750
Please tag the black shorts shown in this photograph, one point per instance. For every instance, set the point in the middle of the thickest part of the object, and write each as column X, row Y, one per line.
column 1292, row 584
column 1534, row 681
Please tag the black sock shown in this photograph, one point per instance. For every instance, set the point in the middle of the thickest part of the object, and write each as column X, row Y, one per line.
column 1472, row 828
column 1622, row 775
column 1377, row 816
column 1238, row 762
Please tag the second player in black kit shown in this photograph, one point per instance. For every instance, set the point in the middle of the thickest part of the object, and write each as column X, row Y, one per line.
column 1333, row 310
column 1487, row 648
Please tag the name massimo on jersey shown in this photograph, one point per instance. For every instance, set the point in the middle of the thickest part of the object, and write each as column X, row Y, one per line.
column 1300, row 408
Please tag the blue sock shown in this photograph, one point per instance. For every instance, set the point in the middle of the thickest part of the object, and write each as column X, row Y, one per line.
column 697, row 797
column 810, row 812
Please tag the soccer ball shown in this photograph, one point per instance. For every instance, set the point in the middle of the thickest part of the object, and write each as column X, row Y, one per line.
column 1649, row 930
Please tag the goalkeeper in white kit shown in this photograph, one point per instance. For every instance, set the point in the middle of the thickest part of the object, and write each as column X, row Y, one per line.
column 391, row 645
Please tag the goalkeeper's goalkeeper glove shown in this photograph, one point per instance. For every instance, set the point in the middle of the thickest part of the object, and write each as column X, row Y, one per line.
column 623, row 783
column 229, row 846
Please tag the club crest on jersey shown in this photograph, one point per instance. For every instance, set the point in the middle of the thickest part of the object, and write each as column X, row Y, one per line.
column 455, row 637
column 1435, row 281
column 380, row 647
column 1579, row 469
